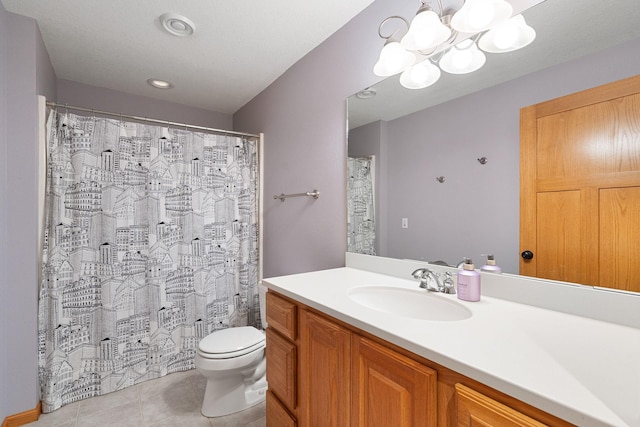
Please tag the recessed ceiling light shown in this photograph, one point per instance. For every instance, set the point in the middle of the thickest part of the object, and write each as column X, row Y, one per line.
column 177, row 25
column 366, row 93
column 160, row 84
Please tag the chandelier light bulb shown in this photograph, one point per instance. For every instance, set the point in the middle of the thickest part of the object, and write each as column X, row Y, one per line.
column 393, row 60
column 426, row 32
column 480, row 15
column 506, row 36
column 511, row 35
column 463, row 58
column 420, row 75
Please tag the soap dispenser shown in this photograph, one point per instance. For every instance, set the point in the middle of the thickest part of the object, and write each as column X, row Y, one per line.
column 468, row 282
column 490, row 266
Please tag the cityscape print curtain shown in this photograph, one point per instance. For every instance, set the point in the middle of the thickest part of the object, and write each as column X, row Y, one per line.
column 361, row 230
column 150, row 244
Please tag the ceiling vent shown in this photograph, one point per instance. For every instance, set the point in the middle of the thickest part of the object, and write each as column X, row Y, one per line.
column 177, row 25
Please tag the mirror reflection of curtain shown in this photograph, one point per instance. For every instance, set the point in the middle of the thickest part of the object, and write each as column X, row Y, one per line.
column 150, row 244
column 361, row 231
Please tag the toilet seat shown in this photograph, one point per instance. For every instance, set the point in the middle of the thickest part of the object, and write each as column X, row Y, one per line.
column 231, row 342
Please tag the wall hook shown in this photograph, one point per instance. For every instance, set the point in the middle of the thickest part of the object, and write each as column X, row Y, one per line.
column 440, row 179
column 483, row 160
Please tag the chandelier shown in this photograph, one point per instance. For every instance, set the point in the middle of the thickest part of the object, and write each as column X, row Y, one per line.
column 451, row 41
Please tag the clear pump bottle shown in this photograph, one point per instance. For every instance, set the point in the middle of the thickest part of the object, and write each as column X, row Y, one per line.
column 491, row 266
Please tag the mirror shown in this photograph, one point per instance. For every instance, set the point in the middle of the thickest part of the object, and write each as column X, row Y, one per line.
column 464, row 131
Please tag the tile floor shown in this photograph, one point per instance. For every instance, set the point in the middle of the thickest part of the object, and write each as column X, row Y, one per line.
column 173, row 400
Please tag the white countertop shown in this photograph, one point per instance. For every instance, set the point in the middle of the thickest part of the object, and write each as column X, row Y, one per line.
column 582, row 370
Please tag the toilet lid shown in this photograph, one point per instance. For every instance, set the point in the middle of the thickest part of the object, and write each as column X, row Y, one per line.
column 231, row 340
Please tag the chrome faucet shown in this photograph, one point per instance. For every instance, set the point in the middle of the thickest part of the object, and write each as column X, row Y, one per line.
column 444, row 286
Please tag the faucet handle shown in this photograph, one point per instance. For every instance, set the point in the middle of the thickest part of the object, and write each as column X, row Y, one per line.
column 448, row 284
column 418, row 273
column 423, row 275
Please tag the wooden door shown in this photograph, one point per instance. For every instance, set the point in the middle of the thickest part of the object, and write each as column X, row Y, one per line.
column 580, row 187
column 391, row 390
column 325, row 377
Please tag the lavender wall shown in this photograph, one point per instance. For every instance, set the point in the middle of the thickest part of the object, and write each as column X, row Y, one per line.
column 28, row 73
column 476, row 210
column 303, row 117
column 82, row 95
column 4, row 302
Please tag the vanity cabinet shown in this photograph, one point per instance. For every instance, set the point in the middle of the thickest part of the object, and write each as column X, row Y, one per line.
column 323, row 372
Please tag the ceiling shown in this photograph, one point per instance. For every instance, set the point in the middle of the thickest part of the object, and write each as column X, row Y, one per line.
column 238, row 49
column 566, row 29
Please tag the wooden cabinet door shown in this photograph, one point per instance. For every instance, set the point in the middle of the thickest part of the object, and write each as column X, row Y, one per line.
column 282, row 368
column 580, row 187
column 325, row 372
column 390, row 389
column 477, row 410
column 277, row 414
column 281, row 315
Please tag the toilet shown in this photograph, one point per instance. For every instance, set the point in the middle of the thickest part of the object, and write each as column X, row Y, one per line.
column 233, row 362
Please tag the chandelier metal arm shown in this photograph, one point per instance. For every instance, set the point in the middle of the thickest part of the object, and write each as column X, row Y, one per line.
column 473, row 38
column 394, row 32
column 441, row 8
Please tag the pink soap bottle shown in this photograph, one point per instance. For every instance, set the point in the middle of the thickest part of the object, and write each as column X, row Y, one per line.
column 468, row 282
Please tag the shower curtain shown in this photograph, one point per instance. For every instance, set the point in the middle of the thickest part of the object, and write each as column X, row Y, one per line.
column 150, row 243
column 361, row 230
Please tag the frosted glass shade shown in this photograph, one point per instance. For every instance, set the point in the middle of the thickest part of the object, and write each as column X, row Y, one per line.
column 463, row 58
column 420, row 75
column 426, row 32
column 393, row 60
column 508, row 36
column 480, row 15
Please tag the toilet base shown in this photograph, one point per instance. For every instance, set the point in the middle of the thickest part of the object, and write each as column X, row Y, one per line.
column 224, row 398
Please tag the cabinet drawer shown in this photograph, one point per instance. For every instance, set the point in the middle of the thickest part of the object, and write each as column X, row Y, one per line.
column 477, row 409
column 281, row 315
column 277, row 415
column 281, row 368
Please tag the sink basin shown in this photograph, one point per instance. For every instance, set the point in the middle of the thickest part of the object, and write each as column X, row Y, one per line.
column 415, row 304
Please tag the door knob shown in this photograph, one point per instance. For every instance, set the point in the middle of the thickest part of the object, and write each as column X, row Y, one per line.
column 527, row 254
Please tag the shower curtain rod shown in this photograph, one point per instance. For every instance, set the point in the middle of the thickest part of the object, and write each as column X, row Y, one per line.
column 146, row 119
